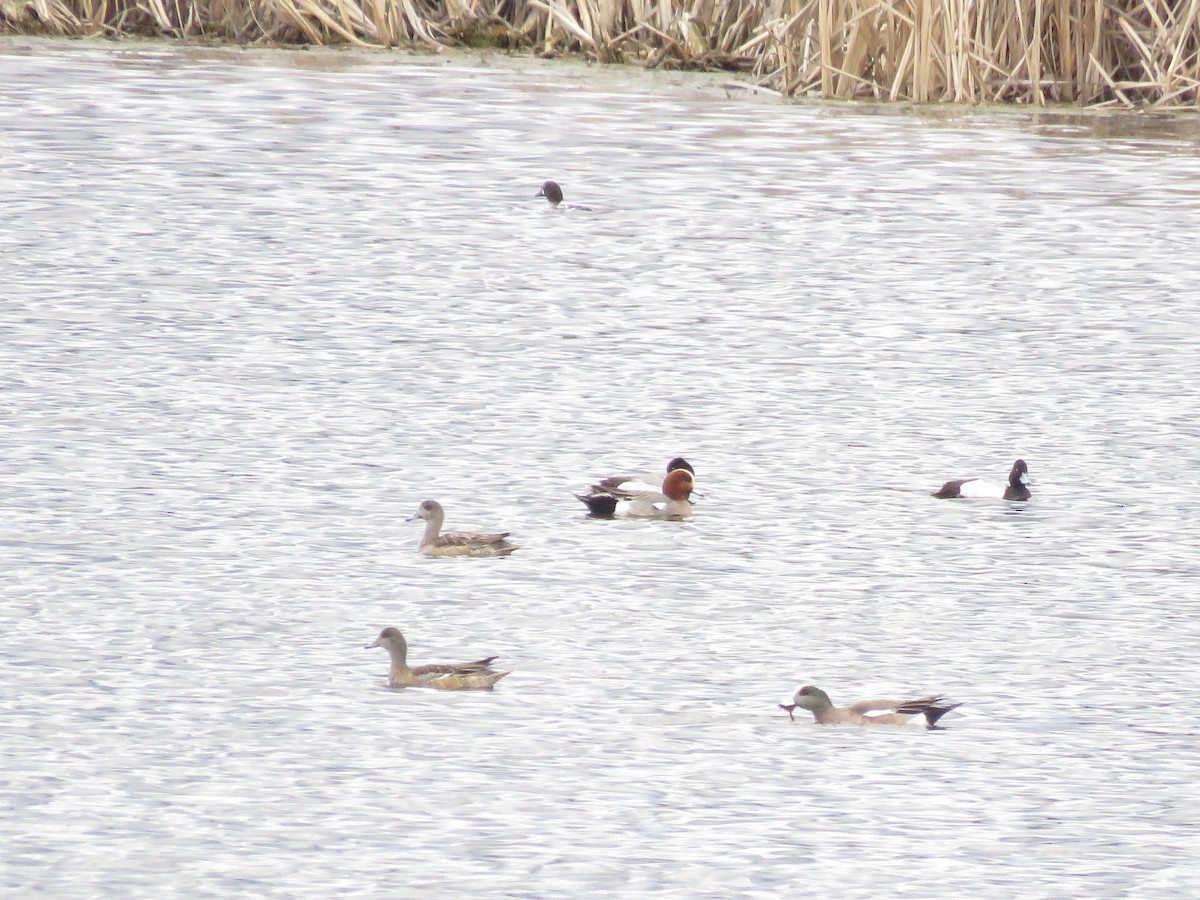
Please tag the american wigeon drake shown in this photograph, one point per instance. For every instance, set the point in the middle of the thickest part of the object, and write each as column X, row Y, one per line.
column 457, row 543
column 978, row 488
column 472, row 676
column 672, row 502
column 867, row 712
column 554, row 195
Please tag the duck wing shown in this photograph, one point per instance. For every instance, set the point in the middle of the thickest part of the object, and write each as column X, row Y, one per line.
column 480, row 666
column 471, row 539
column 932, row 708
column 624, row 487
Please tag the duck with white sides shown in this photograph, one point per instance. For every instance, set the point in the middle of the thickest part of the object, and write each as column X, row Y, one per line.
column 981, row 489
column 868, row 712
column 457, row 543
column 622, row 501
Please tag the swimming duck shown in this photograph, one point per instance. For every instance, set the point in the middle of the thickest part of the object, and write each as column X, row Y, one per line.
column 626, row 487
column 553, row 193
column 867, row 712
column 478, row 675
column 976, row 488
column 457, row 543
column 672, row 502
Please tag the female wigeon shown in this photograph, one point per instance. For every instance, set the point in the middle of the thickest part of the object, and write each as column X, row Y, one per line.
column 457, row 543
column 672, row 502
column 977, row 488
column 478, row 675
column 867, row 712
column 554, row 195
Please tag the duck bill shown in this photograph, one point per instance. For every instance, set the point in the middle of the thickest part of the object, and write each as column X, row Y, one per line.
column 374, row 643
column 789, row 708
column 412, row 518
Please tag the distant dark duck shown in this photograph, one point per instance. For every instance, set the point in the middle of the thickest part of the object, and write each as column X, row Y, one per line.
column 553, row 193
column 973, row 488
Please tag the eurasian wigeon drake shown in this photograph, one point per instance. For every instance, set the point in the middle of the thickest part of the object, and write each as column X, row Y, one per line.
column 867, row 712
column 478, row 675
column 977, row 488
column 554, row 195
column 672, row 502
column 457, row 543
column 626, row 487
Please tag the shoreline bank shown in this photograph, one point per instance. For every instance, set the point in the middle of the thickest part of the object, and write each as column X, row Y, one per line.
column 1131, row 54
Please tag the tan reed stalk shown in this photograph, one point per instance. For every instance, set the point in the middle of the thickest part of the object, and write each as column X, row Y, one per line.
column 1124, row 52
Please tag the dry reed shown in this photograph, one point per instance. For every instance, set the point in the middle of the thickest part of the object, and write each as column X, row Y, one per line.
column 1087, row 52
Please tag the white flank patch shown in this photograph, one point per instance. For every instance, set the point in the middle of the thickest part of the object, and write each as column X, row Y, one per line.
column 979, row 489
column 641, row 486
column 876, row 713
column 645, row 506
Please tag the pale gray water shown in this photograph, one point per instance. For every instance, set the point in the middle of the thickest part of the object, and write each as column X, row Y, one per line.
column 257, row 305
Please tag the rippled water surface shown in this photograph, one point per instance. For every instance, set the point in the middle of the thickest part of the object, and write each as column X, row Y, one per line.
column 255, row 306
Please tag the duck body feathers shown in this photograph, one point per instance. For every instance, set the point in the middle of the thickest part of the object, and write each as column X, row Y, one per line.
column 898, row 712
column 468, row 543
column 447, row 677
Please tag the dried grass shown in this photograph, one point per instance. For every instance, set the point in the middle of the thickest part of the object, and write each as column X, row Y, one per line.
column 1117, row 52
